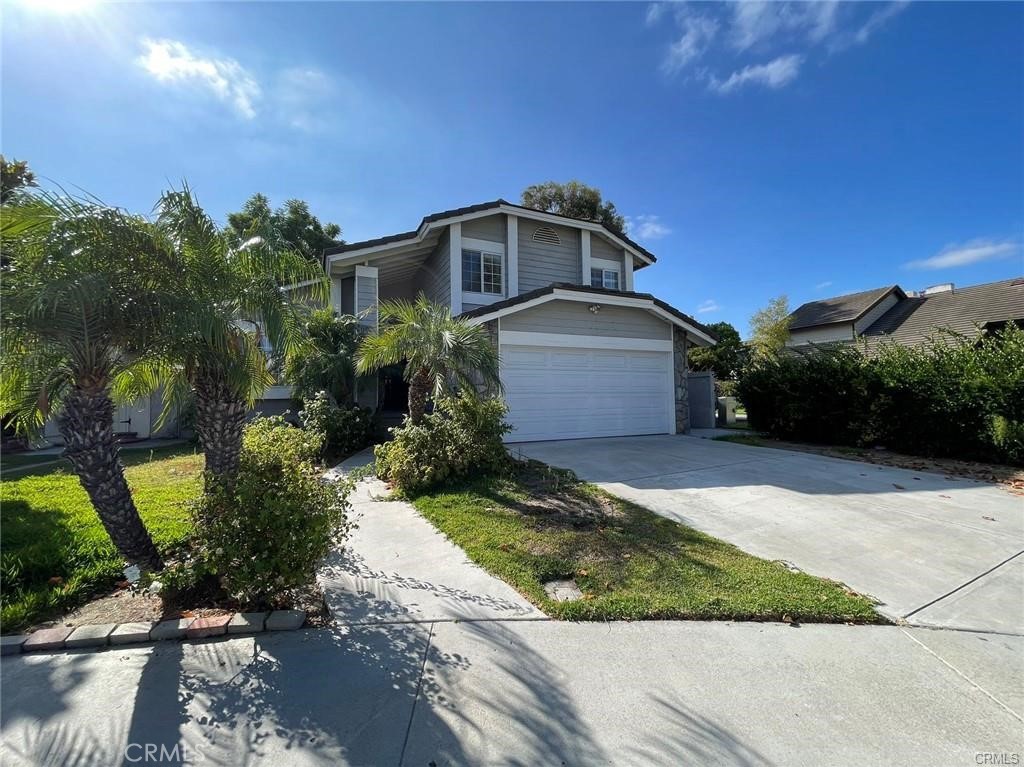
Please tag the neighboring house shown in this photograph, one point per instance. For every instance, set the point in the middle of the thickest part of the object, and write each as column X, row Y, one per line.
column 892, row 314
column 581, row 353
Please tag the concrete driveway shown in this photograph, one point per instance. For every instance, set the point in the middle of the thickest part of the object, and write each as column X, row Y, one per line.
column 933, row 550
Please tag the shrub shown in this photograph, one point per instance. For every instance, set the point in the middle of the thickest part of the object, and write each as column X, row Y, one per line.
column 267, row 532
column 462, row 436
column 346, row 429
column 950, row 397
column 273, row 434
column 822, row 396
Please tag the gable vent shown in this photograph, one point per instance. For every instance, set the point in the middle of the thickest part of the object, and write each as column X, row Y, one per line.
column 546, row 234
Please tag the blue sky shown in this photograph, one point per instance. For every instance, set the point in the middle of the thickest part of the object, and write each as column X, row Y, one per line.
column 757, row 149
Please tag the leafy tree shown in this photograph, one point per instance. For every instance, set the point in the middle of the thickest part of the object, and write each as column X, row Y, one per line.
column 769, row 327
column 85, row 291
column 15, row 176
column 327, row 362
column 232, row 297
column 298, row 227
column 576, row 200
column 438, row 350
column 725, row 358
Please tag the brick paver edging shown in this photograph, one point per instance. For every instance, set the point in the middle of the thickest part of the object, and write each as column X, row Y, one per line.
column 101, row 635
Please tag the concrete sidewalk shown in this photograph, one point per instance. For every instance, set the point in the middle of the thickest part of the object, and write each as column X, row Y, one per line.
column 527, row 693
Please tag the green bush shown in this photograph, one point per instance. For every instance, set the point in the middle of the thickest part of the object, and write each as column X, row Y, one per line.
column 273, row 434
column 462, row 436
column 346, row 429
column 950, row 397
column 267, row 532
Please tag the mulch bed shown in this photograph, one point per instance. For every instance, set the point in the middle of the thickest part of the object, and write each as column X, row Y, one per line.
column 126, row 605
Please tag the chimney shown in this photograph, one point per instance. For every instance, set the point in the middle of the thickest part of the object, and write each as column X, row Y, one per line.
column 945, row 287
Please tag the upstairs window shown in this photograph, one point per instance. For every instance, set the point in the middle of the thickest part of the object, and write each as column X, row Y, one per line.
column 481, row 272
column 604, row 278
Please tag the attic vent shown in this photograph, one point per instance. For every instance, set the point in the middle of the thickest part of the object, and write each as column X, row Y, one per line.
column 546, row 234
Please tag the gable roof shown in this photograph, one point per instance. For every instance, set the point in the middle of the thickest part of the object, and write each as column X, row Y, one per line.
column 964, row 311
column 564, row 289
column 495, row 205
column 848, row 308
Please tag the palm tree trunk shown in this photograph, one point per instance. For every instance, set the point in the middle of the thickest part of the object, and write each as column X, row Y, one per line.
column 219, row 424
column 86, row 423
column 419, row 390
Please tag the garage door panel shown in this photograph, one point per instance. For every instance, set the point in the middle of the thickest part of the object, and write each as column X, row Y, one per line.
column 559, row 392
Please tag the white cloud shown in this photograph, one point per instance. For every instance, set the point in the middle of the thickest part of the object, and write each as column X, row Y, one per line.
column 972, row 252
column 654, row 13
column 754, row 23
column 646, row 227
column 711, row 305
column 823, row 285
column 697, row 33
column 740, row 29
column 775, row 74
column 170, row 61
column 878, row 19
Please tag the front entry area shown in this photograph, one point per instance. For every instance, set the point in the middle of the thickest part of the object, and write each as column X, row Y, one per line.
column 568, row 392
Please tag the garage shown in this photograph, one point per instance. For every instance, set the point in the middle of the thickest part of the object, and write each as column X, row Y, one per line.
column 576, row 362
column 569, row 392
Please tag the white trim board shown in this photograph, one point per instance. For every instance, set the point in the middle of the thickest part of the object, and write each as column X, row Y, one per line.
column 567, row 340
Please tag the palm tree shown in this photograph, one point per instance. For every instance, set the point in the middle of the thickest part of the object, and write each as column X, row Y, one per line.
column 235, row 294
column 439, row 351
column 84, row 293
column 327, row 362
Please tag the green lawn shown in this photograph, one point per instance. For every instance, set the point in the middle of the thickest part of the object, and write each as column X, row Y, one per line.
column 51, row 531
column 629, row 562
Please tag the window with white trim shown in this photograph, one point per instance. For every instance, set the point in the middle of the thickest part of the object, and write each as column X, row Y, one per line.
column 604, row 278
column 481, row 272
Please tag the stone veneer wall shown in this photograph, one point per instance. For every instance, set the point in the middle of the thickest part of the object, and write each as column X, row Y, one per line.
column 491, row 328
column 679, row 378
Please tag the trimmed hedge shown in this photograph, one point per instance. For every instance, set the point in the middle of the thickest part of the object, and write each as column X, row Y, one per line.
column 950, row 397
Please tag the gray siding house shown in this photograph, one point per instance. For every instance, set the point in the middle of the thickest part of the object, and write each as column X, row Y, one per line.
column 581, row 354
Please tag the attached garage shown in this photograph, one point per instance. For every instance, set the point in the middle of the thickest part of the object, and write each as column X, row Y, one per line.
column 579, row 362
column 624, row 391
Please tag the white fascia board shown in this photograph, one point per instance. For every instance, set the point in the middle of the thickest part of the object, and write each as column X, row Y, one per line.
column 527, row 338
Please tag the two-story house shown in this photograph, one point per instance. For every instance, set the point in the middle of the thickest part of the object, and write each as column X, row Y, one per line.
column 581, row 354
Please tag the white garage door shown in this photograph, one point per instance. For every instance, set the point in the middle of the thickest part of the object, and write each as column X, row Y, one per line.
column 567, row 393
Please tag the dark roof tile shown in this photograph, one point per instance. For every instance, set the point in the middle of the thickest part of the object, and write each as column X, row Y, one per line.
column 839, row 308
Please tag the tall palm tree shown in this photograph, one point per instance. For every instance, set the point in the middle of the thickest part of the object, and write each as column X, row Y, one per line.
column 439, row 351
column 85, row 289
column 235, row 293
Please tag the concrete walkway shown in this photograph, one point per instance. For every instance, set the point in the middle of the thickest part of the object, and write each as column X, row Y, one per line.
column 396, row 567
column 934, row 550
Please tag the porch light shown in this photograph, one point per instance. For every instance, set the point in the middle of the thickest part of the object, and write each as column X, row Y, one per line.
column 594, row 308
